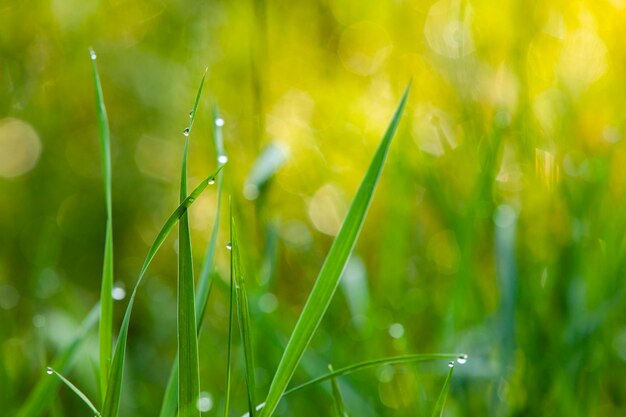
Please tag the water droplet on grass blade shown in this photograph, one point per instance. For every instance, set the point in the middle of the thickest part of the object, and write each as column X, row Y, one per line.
column 186, row 131
column 49, row 371
column 212, row 181
column 118, row 292
column 222, row 159
column 451, row 364
column 92, row 54
column 229, row 246
column 205, row 402
column 462, row 359
column 191, row 114
column 219, row 122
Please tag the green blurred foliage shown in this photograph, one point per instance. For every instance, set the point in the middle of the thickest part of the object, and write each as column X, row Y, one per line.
column 497, row 229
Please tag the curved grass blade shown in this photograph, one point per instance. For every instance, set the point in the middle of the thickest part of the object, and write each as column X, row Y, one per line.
column 169, row 407
column 389, row 360
column 106, row 300
column 44, row 392
column 340, row 407
column 188, row 362
column 74, row 388
column 243, row 314
column 441, row 401
column 328, row 278
column 372, row 363
column 112, row 399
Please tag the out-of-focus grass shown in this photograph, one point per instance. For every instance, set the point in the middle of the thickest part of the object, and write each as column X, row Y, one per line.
column 497, row 230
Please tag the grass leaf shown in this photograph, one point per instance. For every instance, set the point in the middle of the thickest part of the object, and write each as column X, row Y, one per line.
column 389, row 360
column 230, row 321
column 106, row 300
column 74, row 388
column 188, row 362
column 243, row 314
column 169, row 406
column 340, row 407
column 328, row 278
column 441, row 401
column 44, row 392
column 112, row 399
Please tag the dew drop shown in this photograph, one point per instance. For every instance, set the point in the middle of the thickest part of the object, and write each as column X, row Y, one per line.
column 229, row 246
column 49, row 371
column 205, row 402
column 92, row 54
column 118, row 292
column 212, row 181
column 191, row 114
column 222, row 159
column 186, row 131
column 451, row 364
column 462, row 359
column 219, row 122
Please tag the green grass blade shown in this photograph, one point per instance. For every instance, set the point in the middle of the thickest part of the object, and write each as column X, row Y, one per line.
column 243, row 314
column 389, row 360
column 169, row 406
column 112, row 399
column 230, row 320
column 74, row 388
column 441, row 401
column 340, row 407
column 194, row 110
column 188, row 362
column 106, row 300
column 44, row 392
column 204, row 280
column 328, row 278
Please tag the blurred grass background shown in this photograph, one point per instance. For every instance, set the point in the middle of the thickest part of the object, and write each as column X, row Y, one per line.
column 497, row 229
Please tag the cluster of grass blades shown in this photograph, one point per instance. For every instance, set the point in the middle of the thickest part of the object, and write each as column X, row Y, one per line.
column 183, row 388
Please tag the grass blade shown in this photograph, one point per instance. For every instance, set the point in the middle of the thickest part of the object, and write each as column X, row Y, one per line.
column 340, row 407
column 328, row 278
column 372, row 363
column 112, row 399
column 188, row 362
column 230, row 322
column 106, row 300
column 205, row 282
column 243, row 314
column 169, row 407
column 74, row 388
column 389, row 360
column 44, row 392
column 441, row 401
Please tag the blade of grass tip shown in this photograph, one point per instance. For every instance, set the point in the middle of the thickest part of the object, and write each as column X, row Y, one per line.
column 112, row 399
column 230, row 318
column 74, row 388
column 328, row 278
column 169, row 406
column 243, row 314
column 340, row 406
column 43, row 394
column 441, row 401
column 106, row 299
column 188, row 362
